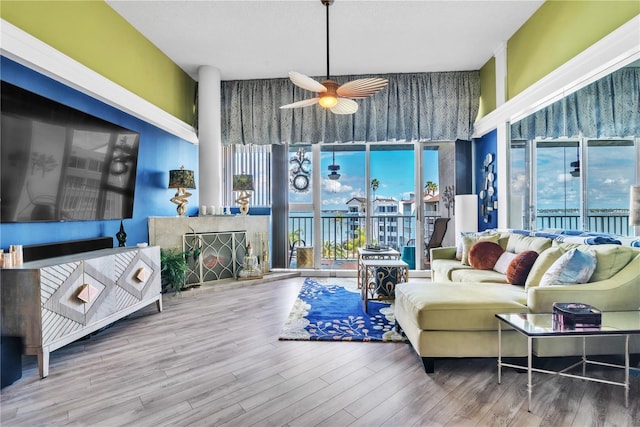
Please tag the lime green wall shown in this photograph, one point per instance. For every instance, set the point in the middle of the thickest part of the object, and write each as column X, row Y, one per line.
column 95, row 35
column 558, row 31
column 487, row 88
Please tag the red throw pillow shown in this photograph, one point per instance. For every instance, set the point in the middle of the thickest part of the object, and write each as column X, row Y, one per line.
column 484, row 255
column 519, row 268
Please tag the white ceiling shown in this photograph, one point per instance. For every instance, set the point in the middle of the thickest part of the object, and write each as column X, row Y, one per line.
column 266, row 39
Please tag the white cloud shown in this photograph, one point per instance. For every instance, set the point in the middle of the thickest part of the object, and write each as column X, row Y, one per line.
column 332, row 186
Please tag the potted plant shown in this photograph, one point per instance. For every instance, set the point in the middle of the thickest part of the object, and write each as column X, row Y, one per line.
column 173, row 270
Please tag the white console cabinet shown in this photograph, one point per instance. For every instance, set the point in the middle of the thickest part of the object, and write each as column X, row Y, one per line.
column 53, row 302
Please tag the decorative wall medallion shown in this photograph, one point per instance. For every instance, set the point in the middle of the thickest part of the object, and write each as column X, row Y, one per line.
column 299, row 173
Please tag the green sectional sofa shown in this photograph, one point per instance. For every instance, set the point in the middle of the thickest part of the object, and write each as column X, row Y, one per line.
column 454, row 315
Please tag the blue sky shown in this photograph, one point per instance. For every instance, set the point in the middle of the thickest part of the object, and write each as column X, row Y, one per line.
column 610, row 173
column 393, row 169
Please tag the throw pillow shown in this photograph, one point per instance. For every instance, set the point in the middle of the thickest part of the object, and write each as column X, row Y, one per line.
column 468, row 241
column 483, row 255
column 573, row 267
column 520, row 267
column 503, row 262
column 470, row 234
column 542, row 264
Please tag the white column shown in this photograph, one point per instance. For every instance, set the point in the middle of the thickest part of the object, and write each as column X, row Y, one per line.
column 501, row 74
column 210, row 137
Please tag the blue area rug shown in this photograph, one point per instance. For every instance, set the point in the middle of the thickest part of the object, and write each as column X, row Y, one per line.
column 331, row 312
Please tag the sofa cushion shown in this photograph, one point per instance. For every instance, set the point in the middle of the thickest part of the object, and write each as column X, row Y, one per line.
column 458, row 306
column 519, row 268
column 477, row 276
column 542, row 264
column 483, row 255
column 610, row 260
column 573, row 267
column 519, row 243
column 441, row 269
column 469, row 241
column 503, row 262
column 474, row 234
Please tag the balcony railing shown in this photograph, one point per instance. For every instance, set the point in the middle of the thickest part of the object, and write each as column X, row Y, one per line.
column 610, row 223
column 342, row 235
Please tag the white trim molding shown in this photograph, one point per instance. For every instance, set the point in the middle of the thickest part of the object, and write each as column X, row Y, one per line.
column 614, row 51
column 31, row 52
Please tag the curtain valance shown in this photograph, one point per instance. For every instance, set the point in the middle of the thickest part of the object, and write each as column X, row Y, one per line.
column 413, row 107
column 609, row 107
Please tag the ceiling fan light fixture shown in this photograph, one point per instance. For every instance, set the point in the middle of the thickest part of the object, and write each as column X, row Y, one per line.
column 328, row 101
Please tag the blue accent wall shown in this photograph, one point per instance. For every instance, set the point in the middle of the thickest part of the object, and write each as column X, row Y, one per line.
column 158, row 153
column 483, row 146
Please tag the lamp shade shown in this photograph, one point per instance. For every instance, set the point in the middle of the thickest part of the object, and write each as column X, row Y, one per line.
column 466, row 214
column 634, row 205
column 181, row 178
column 243, row 182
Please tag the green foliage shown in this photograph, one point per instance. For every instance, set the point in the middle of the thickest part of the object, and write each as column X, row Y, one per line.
column 173, row 270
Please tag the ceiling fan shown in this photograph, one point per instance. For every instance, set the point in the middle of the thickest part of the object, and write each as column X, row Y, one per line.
column 334, row 97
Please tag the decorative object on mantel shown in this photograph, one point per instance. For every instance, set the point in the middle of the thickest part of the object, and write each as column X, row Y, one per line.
column 332, row 96
column 181, row 179
column 121, row 235
column 243, row 183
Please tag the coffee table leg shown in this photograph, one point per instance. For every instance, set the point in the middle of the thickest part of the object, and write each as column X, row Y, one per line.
column 529, row 366
column 499, row 352
column 626, row 371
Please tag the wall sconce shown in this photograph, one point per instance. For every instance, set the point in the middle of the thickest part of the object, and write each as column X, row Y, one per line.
column 182, row 179
column 243, row 184
column 634, row 206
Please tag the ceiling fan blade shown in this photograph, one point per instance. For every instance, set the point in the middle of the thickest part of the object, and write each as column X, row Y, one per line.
column 306, row 82
column 345, row 106
column 362, row 88
column 303, row 103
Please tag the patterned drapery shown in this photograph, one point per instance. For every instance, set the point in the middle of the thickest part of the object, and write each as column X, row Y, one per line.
column 609, row 107
column 413, row 107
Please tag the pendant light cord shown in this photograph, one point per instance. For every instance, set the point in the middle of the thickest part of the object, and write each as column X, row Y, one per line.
column 327, row 6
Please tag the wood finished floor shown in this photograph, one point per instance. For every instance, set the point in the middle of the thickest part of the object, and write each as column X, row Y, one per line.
column 213, row 358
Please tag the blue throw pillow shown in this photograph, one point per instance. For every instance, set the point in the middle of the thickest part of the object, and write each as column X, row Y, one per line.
column 573, row 267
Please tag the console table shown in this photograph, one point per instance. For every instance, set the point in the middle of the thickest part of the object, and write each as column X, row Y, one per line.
column 55, row 301
column 540, row 326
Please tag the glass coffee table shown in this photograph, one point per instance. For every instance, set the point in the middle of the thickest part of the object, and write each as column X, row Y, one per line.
column 540, row 326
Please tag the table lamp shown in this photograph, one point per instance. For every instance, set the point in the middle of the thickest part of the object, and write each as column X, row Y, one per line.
column 181, row 179
column 243, row 184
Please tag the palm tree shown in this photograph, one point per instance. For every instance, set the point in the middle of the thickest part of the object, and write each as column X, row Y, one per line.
column 374, row 186
column 431, row 187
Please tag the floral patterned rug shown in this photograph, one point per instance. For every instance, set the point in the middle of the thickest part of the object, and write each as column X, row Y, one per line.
column 332, row 312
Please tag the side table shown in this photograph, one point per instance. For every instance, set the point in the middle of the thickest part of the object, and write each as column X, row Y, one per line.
column 540, row 326
column 380, row 277
column 365, row 254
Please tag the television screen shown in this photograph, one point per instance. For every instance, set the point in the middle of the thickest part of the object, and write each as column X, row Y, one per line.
column 61, row 164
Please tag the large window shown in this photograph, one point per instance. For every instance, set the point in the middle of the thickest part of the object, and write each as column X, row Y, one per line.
column 573, row 184
column 248, row 159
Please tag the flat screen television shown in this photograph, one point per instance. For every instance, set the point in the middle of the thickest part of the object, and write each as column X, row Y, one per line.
column 61, row 164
